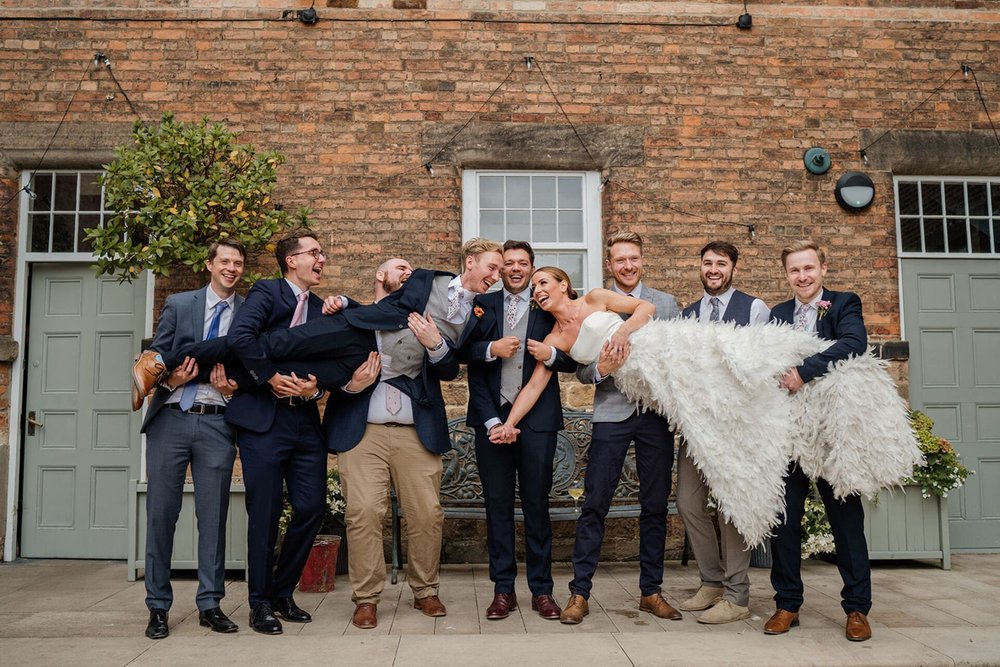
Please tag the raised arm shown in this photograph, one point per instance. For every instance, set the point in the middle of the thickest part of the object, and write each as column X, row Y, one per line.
column 640, row 311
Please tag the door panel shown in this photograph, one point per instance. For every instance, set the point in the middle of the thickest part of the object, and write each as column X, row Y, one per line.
column 952, row 320
column 83, row 334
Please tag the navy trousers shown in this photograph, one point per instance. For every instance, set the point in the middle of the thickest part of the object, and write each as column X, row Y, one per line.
column 527, row 463
column 173, row 440
column 654, row 457
column 847, row 518
column 293, row 453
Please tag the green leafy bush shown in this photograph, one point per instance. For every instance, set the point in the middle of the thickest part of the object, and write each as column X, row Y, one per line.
column 177, row 188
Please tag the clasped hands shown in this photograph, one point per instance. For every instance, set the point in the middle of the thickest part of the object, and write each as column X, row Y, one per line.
column 503, row 434
column 507, row 347
column 188, row 371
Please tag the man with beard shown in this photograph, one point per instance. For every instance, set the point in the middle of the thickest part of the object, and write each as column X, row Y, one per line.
column 389, row 425
column 725, row 585
column 501, row 356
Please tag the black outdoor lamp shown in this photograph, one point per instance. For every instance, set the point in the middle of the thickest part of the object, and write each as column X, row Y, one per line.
column 854, row 191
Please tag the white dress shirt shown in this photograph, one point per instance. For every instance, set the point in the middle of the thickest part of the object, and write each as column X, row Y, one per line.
column 207, row 394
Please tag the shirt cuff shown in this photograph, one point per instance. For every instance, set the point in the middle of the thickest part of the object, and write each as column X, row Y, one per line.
column 437, row 355
column 489, row 353
column 490, row 423
column 552, row 357
column 348, row 391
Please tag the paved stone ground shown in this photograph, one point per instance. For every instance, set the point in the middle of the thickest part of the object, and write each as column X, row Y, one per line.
column 61, row 612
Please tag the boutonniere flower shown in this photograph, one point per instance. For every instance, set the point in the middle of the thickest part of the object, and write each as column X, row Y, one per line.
column 821, row 307
column 478, row 311
column 533, row 305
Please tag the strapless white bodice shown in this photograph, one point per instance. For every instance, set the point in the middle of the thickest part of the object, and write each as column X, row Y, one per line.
column 594, row 330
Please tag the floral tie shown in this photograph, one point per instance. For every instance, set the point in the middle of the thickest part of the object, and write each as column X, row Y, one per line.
column 714, row 317
column 512, row 311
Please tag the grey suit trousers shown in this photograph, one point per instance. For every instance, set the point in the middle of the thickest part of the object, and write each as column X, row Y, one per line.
column 207, row 442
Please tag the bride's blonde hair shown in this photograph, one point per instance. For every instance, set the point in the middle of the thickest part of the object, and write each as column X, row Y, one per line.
column 560, row 276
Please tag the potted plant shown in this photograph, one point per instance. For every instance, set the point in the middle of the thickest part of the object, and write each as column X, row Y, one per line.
column 328, row 550
column 912, row 523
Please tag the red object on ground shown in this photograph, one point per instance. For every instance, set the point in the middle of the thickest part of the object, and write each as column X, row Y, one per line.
column 321, row 567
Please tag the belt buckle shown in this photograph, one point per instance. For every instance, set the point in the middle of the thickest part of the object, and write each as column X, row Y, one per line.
column 197, row 409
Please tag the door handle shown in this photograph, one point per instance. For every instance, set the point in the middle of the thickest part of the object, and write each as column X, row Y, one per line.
column 32, row 423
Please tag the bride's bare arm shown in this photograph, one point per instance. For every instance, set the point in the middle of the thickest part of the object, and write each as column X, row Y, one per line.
column 527, row 397
column 641, row 312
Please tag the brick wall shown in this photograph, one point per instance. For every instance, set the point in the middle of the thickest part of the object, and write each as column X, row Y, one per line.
column 708, row 120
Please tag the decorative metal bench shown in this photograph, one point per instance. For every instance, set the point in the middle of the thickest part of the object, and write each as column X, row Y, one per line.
column 462, row 490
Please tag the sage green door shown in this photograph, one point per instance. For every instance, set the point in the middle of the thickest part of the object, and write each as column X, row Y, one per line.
column 83, row 334
column 951, row 310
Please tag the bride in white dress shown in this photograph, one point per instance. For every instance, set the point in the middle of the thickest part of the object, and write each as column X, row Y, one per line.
column 718, row 385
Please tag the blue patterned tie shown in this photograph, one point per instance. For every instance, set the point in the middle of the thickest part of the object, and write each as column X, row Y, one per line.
column 191, row 388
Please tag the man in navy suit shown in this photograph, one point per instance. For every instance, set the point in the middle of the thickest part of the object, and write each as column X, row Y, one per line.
column 396, row 428
column 834, row 316
column 280, row 437
column 501, row 355
column 185, row 425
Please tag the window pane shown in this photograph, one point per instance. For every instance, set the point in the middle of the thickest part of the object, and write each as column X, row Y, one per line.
column 908, row 203
column 957, row 240
column 39, row 241
column 980, row 236
column 995, row 194
column 491, row 225
column 518, row 192
column 572, row 263
column 518, row 225
column 996, row 235
column 543, row 225
column 86, row 222
column 977, row 199
column 63, row 226
column 909, row 234
column 42, row 187
column 543, row 192
column 570, row 226
column 954, row 197
column 933, row 235
column 932, row 197
column 491, row 192
column 65, row 192
column 570, row 192
column 90, row 192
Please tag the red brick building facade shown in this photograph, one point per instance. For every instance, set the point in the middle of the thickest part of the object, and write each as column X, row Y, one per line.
column 699, row 126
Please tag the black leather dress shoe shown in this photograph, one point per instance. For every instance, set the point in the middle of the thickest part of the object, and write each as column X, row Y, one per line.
column 262, row 620
column 215, row 619
column 290, row 611
column 157, row 627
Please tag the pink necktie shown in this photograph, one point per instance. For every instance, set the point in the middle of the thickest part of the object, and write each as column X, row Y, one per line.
column 300, row 310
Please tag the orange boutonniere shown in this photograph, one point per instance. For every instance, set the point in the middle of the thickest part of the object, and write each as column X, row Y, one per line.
column 478, row 311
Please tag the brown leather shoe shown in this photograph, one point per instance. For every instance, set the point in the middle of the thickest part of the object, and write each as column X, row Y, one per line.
column 657, row 606
column 503, row 604
column 546, row 607
column 430, row 606
column 576, row 608
column 781, row 621
column 858, row 629
column 147, row 371
column 365, row 616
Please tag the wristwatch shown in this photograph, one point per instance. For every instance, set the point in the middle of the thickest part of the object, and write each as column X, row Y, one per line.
column 438, row 346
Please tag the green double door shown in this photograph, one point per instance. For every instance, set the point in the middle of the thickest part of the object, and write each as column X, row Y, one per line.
column 951, row 310
column 81, row 439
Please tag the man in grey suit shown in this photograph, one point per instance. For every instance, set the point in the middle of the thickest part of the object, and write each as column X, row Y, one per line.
column 617, row 422
column 185, row 425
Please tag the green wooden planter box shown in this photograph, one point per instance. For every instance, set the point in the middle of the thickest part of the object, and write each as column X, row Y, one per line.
column 185, row 556
column 903, row 524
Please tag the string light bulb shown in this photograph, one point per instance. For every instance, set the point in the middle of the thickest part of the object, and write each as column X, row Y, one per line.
column 966, row 70
column 529, row 62
column 31, row 193
column 864, row 156
column 753, row 232
column 605, row 181
column 429, row 167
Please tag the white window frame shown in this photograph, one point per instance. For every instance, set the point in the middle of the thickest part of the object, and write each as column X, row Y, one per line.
column 918, row 180
column 591, row 245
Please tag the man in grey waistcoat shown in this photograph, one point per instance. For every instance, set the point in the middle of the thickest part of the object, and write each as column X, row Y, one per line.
column 185, row 425
column 618, row 422
column 725, row 585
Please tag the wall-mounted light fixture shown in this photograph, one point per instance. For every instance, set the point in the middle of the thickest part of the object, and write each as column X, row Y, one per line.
column 817, row 160
column 854, row 191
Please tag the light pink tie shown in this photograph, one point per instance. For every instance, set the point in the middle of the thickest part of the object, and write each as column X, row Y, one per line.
column 300, row 310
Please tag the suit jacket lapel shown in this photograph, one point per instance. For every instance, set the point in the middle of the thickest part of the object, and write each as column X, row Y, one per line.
column 823, row 326
column 198, row 314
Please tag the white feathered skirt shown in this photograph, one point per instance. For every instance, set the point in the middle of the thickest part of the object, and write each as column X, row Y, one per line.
column 718, row 386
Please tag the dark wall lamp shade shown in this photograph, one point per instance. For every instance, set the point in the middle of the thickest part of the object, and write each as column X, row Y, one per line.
column 854, row 191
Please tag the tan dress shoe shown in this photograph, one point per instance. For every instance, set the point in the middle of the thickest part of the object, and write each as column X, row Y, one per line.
column 365, row 616
column 147, row 371
column 858, row 629
column 724, row 612
column 574, row 611
column 703, row 599
column 657, row 606
column 430, row 606
column 781, row 621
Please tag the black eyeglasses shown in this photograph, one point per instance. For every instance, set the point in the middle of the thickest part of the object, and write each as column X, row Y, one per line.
column 315, row 252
